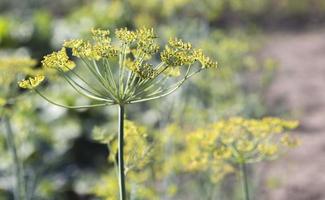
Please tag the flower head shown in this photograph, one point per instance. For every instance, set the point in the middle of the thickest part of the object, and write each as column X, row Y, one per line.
column 177, row 53
column 95, row 49
column 205, row 61
column 125, row 35
column 246, row 140
column 58, row 60
column 122, row 70
column 31, row 82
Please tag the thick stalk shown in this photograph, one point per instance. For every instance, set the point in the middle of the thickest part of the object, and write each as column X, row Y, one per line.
column 121, row 173
column 19, row 184
column 244, row 180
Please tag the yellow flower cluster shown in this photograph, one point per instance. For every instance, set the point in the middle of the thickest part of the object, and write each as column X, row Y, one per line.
column 125, row 35
column 212, row 150
column 137, row 149
column 205, row 61
column 138, row 154
column 142, row 41
column 99, row 48
column 174, row 155
column 2, row 101
column 58, row 60
column 178, row 53
column 31, row 82
column 107, row 187
column 121, row 66
column 244, row 140
column 146, row 42
column 144, row 70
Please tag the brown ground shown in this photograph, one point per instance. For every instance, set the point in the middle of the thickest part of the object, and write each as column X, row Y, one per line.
column 300, row 85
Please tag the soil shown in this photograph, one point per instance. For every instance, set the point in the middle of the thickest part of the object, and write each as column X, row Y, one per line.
column 299, row 85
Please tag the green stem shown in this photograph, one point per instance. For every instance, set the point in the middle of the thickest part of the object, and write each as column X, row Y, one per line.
column 120, row 153
column 244, row 180
column 19, row 185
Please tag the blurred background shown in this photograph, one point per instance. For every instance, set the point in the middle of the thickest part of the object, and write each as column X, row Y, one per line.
column 271, row 57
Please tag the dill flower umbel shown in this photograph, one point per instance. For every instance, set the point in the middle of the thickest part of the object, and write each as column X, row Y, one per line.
column 197, row 155
column 240, row 141
column 123, row 70
column 247, row 140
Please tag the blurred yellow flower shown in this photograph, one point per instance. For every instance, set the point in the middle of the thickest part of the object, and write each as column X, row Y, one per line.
column 11, row 67
column 244, row 140
column 268, row 149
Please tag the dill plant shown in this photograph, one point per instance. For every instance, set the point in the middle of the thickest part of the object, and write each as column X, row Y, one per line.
column 222, row 148
column 138, row 152
column 11, row 70
column 129, row 68
column 239, row 142
column 152, row 159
